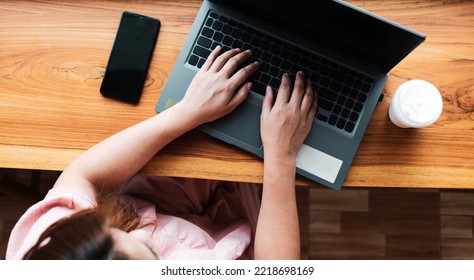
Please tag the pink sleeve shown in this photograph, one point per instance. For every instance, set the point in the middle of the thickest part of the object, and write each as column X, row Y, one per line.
column 57, row 204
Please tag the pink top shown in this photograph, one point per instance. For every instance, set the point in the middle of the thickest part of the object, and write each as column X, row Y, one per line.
column 191, row 236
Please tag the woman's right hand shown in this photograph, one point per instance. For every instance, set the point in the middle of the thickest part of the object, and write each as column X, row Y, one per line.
column 286, row 120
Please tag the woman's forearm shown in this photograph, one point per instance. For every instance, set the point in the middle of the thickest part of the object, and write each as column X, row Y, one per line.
column 122, row 155
column 278, row 235
column 284, row 124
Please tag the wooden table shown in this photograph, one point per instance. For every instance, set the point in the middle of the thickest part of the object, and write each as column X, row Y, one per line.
column 52, row 60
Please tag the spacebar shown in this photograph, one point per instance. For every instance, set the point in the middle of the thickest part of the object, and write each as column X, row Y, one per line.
column 258, row 87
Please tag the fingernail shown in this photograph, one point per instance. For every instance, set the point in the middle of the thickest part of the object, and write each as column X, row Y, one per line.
column 301, row 73
column 217, row 47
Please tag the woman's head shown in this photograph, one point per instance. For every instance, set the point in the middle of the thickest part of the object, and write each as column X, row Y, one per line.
column 93, row 234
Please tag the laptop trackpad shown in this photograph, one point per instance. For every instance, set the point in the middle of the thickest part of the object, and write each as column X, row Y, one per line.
column 243, row 124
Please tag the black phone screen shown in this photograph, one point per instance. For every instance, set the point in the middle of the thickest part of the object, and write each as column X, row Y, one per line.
column 130, row 57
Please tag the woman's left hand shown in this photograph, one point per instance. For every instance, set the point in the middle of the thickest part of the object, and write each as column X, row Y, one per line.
column 217, row 89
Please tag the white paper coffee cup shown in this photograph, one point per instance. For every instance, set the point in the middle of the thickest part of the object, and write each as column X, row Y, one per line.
column 415, row 104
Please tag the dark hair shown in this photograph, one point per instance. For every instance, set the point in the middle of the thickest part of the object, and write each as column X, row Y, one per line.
column 85, row 235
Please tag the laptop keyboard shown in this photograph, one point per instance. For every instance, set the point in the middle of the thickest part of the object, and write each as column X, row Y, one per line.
column 342, row 92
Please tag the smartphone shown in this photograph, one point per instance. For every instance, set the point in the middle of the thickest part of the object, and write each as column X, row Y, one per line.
column 127, row 68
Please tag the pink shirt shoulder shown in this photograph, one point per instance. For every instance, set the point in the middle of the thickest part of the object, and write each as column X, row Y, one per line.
column 170, row 237
column 57, row 204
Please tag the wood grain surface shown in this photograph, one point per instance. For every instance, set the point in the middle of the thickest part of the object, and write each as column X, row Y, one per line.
column 53, row 56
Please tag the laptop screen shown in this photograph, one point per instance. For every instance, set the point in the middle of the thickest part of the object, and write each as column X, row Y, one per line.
column 340, row 26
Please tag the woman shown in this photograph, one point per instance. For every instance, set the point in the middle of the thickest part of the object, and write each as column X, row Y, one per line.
column 172, row 218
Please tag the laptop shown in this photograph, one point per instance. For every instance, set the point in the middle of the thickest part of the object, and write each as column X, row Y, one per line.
column 345, row 51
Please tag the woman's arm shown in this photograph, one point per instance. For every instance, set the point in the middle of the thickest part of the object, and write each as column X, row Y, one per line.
column 214, row 92
column 285, row 123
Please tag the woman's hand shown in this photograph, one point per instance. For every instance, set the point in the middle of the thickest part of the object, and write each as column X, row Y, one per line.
column 286, row 121
column 218, row 88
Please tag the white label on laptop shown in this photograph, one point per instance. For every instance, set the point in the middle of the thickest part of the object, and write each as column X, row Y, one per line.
column 318, row 163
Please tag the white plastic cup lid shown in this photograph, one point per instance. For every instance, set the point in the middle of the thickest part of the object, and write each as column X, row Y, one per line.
column 416, row 103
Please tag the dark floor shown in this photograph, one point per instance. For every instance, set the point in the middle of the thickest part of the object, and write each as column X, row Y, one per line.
column 354, row 223
column 386, row 223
